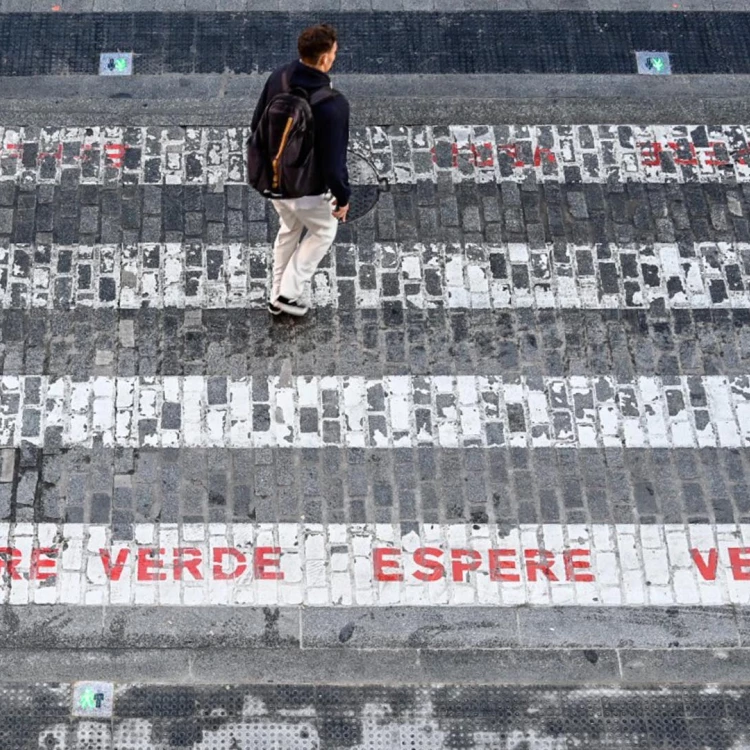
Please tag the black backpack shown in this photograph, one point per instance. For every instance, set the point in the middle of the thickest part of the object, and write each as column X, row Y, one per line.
column 280, row 153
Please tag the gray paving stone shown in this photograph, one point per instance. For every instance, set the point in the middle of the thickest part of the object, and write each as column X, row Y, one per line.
column 183, row 627
column 388, row 341
column 524, row 666
column 409, row 627
column 643, row 666
column 305, row 666
column 439, row 485
column 613, row 627
column 81, row 664
column 694, row 212
column 743, row 625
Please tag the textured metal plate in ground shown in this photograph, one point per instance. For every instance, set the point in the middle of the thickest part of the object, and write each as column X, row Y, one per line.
column 417, row 42
column 294, row 717
column 365, row 186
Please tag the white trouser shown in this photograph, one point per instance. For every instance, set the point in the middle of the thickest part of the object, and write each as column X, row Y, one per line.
column 294, row 262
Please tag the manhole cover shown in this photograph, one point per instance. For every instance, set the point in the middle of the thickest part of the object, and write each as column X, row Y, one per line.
column 365, row 184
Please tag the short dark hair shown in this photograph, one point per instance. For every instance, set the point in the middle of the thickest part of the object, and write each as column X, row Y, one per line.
column 314, row 42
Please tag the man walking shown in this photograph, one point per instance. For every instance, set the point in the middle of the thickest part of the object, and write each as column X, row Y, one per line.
column 286, row 135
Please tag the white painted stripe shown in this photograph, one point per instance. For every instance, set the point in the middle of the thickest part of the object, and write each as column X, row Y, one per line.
column 423, row 276
column 375, row 565
column 392, row 411
column 481, row 153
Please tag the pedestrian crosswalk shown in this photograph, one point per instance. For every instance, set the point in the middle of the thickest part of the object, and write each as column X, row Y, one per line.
column 679, row 153
column 390, row 412
column 431, row 275
column 316, row 565
column 508, row 444
column 672, row 377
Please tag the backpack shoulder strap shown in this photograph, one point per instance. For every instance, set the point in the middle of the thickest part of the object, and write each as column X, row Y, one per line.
column 321, row 95
column 286, row 75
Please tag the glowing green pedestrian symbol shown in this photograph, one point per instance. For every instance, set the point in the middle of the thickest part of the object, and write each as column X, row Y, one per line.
column 657, row 63
column 115, row 64
column 87, row 699
column 91, row 700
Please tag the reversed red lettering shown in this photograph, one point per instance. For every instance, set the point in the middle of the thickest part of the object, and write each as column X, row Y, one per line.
column 263, row 560
column 426, row 558
column 692, row 160
column 382, row 560
column 191, row 565
column 498, row 565
column 113, row 572
column 454, row 155
column 711, row 159
column 149, row 560
column 573, row 566
column 10, row 559
column 539, row 561
column 706, row 569
column 43, row 563
column 57, row 154
column 512, row 150
column 239, row 559
column 115, row 153
column 741, row 155
column 650, row 153
column 483, row 155
column 543, row 152
column 460, row 565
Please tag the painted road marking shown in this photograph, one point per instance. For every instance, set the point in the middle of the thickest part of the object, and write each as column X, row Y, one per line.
column 482, row 153
column 392, row 411
column 375, row 565
column 418, row 275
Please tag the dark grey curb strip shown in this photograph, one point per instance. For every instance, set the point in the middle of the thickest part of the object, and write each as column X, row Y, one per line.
column 229, row 99
column 358, row 646
column 352, row 629
column 397, row 667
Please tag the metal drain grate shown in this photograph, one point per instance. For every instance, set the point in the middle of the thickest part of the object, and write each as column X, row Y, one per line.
column 284, row 717
column 366, row 186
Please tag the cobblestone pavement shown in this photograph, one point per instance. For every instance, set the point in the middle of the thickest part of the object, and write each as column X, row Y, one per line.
column 509, row 443
column 589, row 285
column 404, row 155
column 314, row 565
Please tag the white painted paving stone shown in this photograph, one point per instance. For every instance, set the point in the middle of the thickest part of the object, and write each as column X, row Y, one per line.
column 388, row 412
column 376, row 565
column 419, row 275
column 481, row 153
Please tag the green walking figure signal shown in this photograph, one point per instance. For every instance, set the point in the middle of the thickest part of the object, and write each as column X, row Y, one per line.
column 656, row 63
column 91, row 700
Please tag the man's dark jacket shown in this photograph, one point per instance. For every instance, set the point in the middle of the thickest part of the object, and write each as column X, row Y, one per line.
column 331, row 119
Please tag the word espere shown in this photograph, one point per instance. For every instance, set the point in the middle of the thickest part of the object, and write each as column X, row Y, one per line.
column 389, row 564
